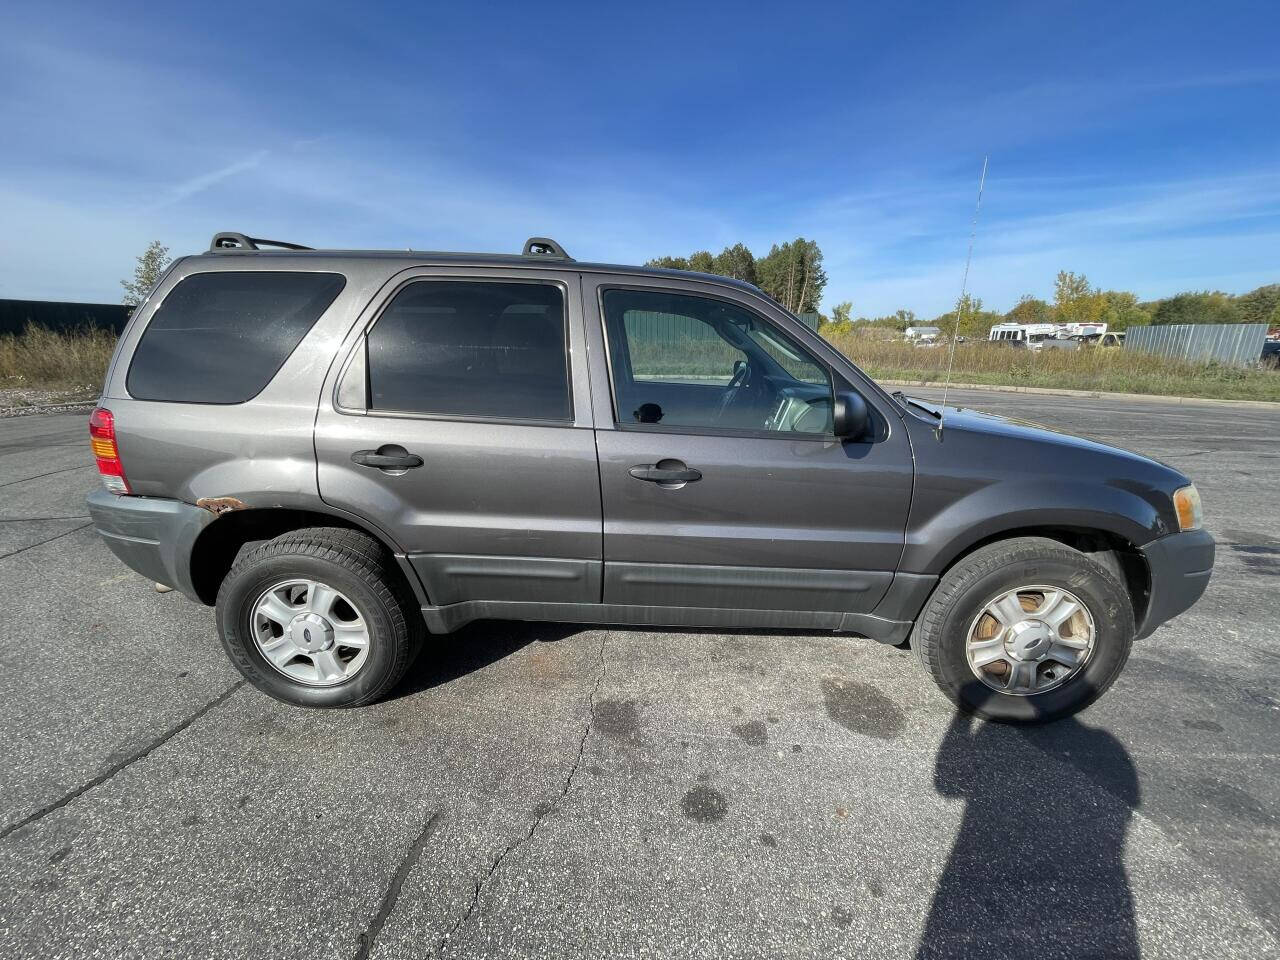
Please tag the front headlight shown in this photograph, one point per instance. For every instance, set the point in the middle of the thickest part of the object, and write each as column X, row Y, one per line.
column 1186, row 502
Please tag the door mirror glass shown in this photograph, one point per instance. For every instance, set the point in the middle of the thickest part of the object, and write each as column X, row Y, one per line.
column 851, row 416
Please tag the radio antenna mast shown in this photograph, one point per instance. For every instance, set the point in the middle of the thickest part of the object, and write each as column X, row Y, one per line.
column 964, row 293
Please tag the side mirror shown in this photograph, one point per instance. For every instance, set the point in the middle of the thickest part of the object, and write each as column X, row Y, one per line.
column 851, row 417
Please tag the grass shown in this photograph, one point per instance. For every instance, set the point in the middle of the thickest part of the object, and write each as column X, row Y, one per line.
column 1118, row 370
column 77, row 360
column 41, row 358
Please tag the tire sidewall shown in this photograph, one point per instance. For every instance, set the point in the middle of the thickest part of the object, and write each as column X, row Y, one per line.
column 236, row 601
column 1113, row 634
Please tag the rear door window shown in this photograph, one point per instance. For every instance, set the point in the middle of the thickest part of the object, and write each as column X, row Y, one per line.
column 220, row 337
column 483, row 349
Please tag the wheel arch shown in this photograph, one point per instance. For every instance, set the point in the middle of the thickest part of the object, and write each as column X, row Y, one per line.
column 215, row 550
column 1109, row 549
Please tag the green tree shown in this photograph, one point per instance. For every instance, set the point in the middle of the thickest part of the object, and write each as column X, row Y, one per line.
column 150, row 267
column 901, row 319
column 793, row 275
column 972, row 321
column 1260, row 305
column 1074, row 301
column 1205, row 306
column 702, row 261
column 1120, row 310
column 1030, row 309
column 669, row 263
column 737, row 262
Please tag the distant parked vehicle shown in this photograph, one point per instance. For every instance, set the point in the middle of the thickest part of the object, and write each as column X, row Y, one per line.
column 1059, row 343
column 1031, row 335
column 1270, row 354
column 1100, row 339
column 1079, row 330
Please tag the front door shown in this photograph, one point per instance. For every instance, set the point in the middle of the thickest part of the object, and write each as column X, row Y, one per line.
column 722, row 484
column 461, row 427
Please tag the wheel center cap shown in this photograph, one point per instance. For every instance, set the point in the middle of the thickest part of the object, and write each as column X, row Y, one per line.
column 311, row 632
column 1029, row 640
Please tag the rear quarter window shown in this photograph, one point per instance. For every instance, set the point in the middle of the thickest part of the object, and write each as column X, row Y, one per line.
column 220, row 337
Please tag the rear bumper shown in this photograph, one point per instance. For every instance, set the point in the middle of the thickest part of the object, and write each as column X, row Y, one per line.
column 151, row 535
column 1180, row 567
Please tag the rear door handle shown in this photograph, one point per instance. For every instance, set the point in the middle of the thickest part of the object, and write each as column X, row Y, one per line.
column 665, row 472
column 389, row 456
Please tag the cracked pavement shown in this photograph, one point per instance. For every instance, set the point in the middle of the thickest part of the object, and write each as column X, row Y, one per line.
column 553, row 790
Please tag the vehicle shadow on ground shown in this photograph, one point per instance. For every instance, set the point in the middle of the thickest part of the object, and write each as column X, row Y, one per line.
column 1038, row 863
column 447, row 657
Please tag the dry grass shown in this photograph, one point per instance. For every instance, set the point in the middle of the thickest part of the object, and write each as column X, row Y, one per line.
column 43, row 358
column 1123, row 371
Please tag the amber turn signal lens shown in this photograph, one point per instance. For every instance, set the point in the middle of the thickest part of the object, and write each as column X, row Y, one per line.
column 1190, row 513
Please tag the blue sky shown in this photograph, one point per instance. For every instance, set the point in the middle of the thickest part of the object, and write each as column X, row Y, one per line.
column 1137, row 144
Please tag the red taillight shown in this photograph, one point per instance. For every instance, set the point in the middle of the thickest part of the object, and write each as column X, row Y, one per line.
column 102, row 437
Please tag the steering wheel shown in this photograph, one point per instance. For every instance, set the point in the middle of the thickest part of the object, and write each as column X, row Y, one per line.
column 740, row 379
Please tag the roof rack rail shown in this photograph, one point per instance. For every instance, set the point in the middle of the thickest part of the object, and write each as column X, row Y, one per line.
column 230, row 242
column 544, row 247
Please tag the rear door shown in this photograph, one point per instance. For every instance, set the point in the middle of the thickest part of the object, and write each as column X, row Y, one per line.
column 461, row 424
column 722, row 484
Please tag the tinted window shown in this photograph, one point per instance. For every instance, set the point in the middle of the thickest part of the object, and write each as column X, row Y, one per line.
column 221, row 337
column 472, row 349
column 680, row 360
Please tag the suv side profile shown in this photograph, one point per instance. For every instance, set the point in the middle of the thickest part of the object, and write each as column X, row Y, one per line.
column 347, row 450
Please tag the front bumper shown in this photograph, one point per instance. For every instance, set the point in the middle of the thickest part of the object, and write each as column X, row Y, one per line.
column 1180, row 565
column 151, row 535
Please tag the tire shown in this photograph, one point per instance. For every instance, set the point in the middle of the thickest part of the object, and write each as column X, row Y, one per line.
column 359, row 571
column 941, row 634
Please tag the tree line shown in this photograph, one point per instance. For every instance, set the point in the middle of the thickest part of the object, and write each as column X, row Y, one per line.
column 791, row 273
column 1075, row 300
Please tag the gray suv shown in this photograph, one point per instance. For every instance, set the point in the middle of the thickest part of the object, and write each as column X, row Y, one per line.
column 347, row 450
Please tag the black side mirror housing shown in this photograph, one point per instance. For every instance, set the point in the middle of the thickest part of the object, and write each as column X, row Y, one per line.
column 851, row 416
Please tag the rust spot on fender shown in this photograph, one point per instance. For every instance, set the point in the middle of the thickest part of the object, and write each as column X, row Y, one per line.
column 220, row 505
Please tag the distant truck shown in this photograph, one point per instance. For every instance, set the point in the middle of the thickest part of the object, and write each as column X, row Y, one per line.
column 1079, row 330
column 1029, row 334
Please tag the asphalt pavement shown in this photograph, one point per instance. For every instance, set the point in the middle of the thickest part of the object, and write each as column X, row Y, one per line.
column 557, row 791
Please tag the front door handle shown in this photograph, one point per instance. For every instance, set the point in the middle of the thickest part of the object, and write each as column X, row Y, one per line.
column 665, row 472
column 389, row 456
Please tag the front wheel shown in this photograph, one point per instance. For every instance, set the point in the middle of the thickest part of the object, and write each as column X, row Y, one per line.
column 1025, row 631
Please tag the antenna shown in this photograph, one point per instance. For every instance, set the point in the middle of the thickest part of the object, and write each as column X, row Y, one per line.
column 964, row 292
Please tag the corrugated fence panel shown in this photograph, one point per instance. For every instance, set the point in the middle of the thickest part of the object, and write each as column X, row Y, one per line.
column 668, row 327
column 1237, row 344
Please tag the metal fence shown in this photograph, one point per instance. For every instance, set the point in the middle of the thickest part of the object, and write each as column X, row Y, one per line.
column 1236, row 344
column 669, row 327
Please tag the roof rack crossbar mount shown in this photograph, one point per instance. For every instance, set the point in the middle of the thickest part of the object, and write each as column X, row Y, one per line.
column 231, row 242
column 546, row 248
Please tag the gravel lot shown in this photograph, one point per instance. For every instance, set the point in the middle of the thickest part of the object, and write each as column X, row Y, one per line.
column 548, row 790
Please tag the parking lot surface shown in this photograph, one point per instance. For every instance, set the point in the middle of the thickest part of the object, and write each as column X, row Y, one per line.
column 558, row 791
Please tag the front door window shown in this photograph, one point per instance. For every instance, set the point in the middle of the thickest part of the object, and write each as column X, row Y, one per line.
column 699, row 362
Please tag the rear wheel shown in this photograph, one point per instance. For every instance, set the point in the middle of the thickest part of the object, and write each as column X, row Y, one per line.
column 1025, row 631
column 319, row 617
